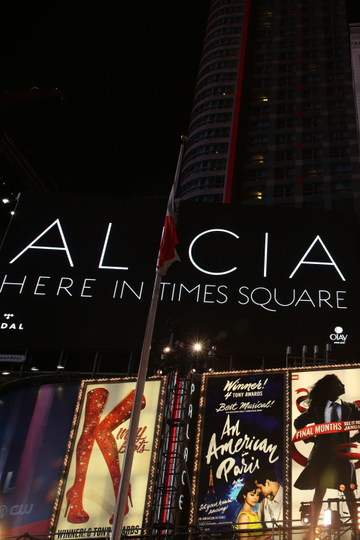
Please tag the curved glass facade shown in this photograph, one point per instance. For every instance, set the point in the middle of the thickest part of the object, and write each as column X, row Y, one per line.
column 273, row 119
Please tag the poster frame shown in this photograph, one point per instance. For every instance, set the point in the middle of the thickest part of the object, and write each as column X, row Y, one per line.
column 317, row 365
column 73, row 437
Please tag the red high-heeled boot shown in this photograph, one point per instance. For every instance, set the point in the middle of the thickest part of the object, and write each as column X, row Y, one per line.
column 95, row 404
column 107, row 444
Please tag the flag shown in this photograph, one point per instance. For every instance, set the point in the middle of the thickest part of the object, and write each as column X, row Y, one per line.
column 167, row 252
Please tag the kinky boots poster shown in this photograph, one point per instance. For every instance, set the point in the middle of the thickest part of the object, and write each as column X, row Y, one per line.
column 242, row 436
column 88, row 494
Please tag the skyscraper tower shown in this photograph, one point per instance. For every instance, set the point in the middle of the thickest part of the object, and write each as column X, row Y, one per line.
column 355, row 61
column 273, row 119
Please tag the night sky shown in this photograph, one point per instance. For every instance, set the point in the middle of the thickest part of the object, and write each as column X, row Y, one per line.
column 127, row 72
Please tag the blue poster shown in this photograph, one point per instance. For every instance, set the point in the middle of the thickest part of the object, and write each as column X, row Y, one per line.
column 34, row 432
column 242, row 445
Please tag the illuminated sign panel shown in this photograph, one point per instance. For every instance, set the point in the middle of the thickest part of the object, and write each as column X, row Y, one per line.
column 88, row 493
column 78, row 271
column 34, row 432
column 325, row 450
column 242, row 438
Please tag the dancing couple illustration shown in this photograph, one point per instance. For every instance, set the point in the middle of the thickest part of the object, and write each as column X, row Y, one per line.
column 101, row 432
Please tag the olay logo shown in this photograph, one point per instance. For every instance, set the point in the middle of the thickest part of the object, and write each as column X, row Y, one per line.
column 339, row 338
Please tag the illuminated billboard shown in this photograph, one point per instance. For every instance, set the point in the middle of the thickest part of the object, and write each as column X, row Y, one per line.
column 93, row 468
column 34, row 431
column 325, row 435
column 85, row 266
column 240, row 442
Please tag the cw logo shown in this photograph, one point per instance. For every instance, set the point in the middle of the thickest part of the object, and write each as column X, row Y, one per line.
column 16, row 509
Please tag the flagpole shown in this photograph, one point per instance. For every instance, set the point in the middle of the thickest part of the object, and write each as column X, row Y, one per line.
column 139, row 391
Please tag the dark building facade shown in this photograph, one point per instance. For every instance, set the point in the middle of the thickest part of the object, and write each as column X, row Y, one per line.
column 273, row 119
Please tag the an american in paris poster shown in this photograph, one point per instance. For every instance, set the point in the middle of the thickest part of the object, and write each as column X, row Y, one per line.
column 325, row 448
column 88, row 501
column 242, row 434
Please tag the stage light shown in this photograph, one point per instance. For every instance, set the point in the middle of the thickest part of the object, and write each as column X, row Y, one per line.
column 197, row 347
column 305, row 513
column 34, row 368
column 159, row 372
column 166, row 350
column 358, row 514
column 59, row 366
column 327, row 517
column 352, row 486
column 6, row 201
column 331, row 517
column 342, row 488
column 6, row 373
column 193, row 370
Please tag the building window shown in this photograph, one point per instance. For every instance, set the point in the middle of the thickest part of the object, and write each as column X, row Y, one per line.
column 310, row 66
column 282, row 81
column 310, row 54
column 285, row 138
column 336, row 91
column 341, row 186
column 311, row 78
column 217, row 77
column 312, row 42
column 285, row 108
column 285, row 123
column 313, row 188
column 257, row 158
column 284, row 172
column 212, row 133
column 214, row 198
column 254, row 141
column 284, row 190
column 311, row 92
column 339, row 151
column 215, row 90
column 255, row 193
column 340, row 168
column 312, row 153
column 284, row 155
column 313, row 170
column 287, row 44
column 312, row 121
column 262, row 82
column 205, row 165
column 338, row 135
column 218, row 65
column 218, row 148
column 204, row 183
column 311, row 106
column 312, row 137
column 286, row 94
column 260, row 109
column 256, row 174
column 286, row 55
column 287, row 68
column 260, row 124
column 338, row 119
column 338, row 104
column 209, row 119
column 213, row 104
